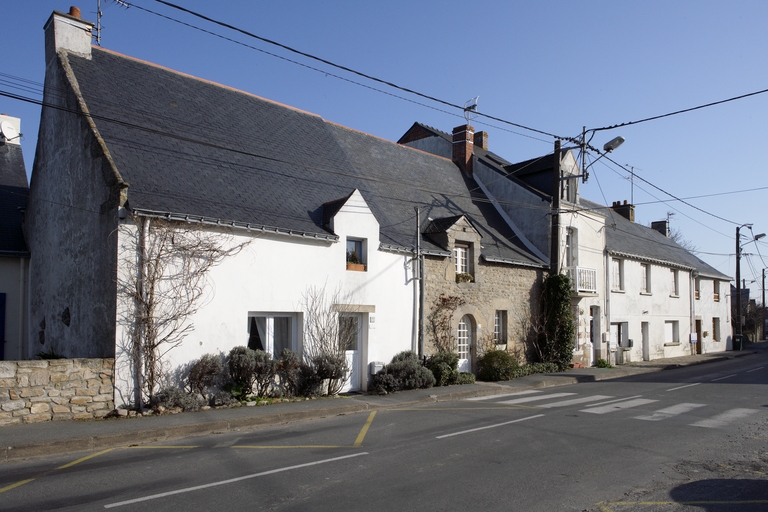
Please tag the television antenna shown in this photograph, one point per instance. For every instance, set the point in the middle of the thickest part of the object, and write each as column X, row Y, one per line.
column 470, row 109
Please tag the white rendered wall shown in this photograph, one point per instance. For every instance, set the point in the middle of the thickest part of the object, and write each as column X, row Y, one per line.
column 706, row 308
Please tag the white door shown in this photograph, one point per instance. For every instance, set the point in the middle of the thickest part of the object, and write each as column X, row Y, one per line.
column 646, row 342
column 350, row 337
column 464, row 344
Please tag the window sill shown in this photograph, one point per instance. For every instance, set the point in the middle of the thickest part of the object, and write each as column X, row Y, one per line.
column 356, row 267
column 675, row 344
column 646, row 293
column 618, row 291
column 674, row 296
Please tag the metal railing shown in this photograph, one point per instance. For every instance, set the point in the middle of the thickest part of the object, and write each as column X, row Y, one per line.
column 583, row 279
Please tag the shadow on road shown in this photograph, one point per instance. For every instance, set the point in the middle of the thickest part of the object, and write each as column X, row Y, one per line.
column 724, row 495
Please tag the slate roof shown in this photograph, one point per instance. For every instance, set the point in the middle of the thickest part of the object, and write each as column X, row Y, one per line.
column 627, row 238
column 13, row 198
column 191, row 147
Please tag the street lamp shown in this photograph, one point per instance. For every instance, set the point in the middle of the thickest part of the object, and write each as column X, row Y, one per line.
column 738, row 334
column 607, row 148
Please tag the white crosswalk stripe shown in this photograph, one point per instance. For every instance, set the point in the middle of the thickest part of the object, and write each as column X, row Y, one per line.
column 668, row 412
column 535, row 398
column 627, row 404
column 722, row 420
column 575, row 401
column 502, row 395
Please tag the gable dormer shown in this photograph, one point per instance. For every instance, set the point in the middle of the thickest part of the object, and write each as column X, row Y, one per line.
column 462, row 240
column 352, row 220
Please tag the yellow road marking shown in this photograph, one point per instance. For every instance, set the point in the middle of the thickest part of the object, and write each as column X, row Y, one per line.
column 361, row 435
column 266, row 447
column 17, row 484
column 162, row 447
column 78, row 461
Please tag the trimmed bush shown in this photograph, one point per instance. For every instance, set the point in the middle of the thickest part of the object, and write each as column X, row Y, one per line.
column 309, row 383
column 465, row 378
column 444, row 366
column 204, row 371
column 530, row 369
column 264, row 372
column 404, row 372
column 174, row 397
column 242, row 369
column 289, row 372
column 496, row 365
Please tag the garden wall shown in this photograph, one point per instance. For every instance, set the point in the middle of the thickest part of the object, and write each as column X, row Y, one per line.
column 55, row 389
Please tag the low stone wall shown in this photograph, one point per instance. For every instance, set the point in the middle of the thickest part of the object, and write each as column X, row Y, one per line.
column 55, row 389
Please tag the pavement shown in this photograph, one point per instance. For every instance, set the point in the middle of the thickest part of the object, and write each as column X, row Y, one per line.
column 18, row 442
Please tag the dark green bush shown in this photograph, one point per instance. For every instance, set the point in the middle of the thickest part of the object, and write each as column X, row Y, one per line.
column 602, row 363
column 289, row 372
column 496, row 365
column 204, row 372
column 264, row 372
column 444, row 366
column 530, row 369
column 242, row 368
column 404, row 372
column 174, row 397
column 309, row 382
column 465, row 378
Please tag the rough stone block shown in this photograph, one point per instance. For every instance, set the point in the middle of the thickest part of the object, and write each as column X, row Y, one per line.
column 13, row 394
column 37, row 418
column 14, row 405
column 7, row 369
column 80, row 400
column 64, row 416
column 33, row 364
column 60, row 409
column 53, row 392
column 102, row 398
column 101, row 413
column 78, row 408
column 5, row 415
column 96, row 406
column 85, row 392
column 30, row 392
column 82, row 416
column 94, row 383
column 106, row 389
column 39, row 408
column 9, row 421
column 8, row 382
column 59, row 377
column 22, row 381
column 60, row 364
column 39, row 378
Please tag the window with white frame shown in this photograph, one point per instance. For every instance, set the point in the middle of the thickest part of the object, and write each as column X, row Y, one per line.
column 355, row 254
column 571, row 248
column 272, row 333
column 715, row 329
column 674, row 275
column 671, row 332
column 645, row 276
column 462, row 258
column 617, row 275
column 500, row 327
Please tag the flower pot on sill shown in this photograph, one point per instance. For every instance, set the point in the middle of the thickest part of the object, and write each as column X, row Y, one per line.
column 359, row 267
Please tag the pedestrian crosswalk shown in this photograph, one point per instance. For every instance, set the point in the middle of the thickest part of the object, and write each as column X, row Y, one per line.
column 605, row 404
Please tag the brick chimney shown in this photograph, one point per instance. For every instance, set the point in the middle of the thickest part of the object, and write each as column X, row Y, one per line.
column 626, row 210
column 481, row 140
column 67, row 32
column 662, row 226
column 463, row 147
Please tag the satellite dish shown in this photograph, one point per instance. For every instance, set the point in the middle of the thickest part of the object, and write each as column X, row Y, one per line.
column 8, row 131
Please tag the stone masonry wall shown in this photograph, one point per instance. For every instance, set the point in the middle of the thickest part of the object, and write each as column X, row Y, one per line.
column 55, row 389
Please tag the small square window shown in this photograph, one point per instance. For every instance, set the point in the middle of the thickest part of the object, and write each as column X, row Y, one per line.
column 356, row 254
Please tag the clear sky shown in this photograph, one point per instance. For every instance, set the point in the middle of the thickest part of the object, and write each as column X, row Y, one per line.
column 555, row 66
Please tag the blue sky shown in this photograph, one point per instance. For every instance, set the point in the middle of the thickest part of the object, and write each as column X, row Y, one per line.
column 551, row 65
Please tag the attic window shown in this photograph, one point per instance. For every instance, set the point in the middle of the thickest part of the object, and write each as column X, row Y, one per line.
column 462, row 258
column 356, row 254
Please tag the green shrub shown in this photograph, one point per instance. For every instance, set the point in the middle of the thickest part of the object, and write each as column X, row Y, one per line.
column 174, row 397
column 496, row 365
column 264, row 372
column 530, row 369
column 309, row 382
column 242, row 368
column 404, row 372
column 465, row 378
column 289, row 372
column 444, row 366
column 204, row 372
column 333, row 368
column 602, row 363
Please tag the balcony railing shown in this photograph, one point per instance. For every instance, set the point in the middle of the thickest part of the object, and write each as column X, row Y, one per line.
column 583, row 280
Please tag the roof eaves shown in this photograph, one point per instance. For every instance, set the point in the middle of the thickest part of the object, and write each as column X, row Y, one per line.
column 210, row 221
column 404, row 250
column 517, row 263
column 648, row 259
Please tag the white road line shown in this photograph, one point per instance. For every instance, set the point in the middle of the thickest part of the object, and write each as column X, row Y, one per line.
column 489, row 426
column 231, row 480
column 575, row 401
column 721, row 420
column 686, row 386
column 628, row 404
column 535, row 398
column 491, row 397
column 721, row 378
column 755, row 369
column 668, row 412
column 614, row 401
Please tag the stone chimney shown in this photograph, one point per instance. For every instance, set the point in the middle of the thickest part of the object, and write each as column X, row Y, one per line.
column 67, row 32
column 463, row 147
column 626, row 210
column 481, row 140
column 662, row 226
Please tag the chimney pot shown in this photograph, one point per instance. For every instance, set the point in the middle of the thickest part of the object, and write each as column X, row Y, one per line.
column 481, row 140
column 626, row 210
column 463, row 147
column 74, row 11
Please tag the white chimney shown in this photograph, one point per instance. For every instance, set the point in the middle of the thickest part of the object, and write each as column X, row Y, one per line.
column 67, row 32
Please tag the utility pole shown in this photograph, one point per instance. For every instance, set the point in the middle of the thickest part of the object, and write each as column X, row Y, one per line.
column 737, row 334
column 554, row 243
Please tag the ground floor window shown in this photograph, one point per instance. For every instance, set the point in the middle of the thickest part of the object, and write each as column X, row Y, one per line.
column 500, row 327
column 671, row 331
column 715, row 329
column 272, row 333
column 463, row 337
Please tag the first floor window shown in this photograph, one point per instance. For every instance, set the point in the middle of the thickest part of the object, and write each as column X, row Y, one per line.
column 461, row 257
column 645, row 276
column 463, row 337
column 272, row 333
column 617, row 276
column 355, row 252
column 715, row 329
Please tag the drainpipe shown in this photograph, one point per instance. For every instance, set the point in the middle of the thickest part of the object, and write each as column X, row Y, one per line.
column 416, row 277
column 607, row 308
column 692, row 299
column 137, row 356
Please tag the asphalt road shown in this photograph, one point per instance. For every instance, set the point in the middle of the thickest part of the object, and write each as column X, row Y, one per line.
column 688, row 439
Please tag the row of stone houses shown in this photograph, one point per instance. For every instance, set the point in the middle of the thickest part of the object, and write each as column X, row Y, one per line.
column 127, row 148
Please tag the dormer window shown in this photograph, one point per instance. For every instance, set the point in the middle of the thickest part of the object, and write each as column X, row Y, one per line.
column 356, row 254
column 461, row 257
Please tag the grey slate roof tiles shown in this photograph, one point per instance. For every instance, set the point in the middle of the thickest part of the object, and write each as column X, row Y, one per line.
column 208, row 150
column 13, row 198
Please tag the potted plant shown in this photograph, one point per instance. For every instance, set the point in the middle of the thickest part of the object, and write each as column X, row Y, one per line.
column 353, row 262
column 464, row 278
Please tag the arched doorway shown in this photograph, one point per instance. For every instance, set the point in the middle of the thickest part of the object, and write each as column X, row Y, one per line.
column 464, row 338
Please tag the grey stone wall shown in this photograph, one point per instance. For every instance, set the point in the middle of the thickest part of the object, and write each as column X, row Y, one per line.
column 55, row 389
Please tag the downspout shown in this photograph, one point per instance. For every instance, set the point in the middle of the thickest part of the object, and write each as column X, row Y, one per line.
column 142, row 292
column 692, row 300
column 416, row 277
column 22, row 310
column 607, row 308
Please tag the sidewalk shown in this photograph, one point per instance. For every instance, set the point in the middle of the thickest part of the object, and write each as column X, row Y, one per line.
column 55, row 438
